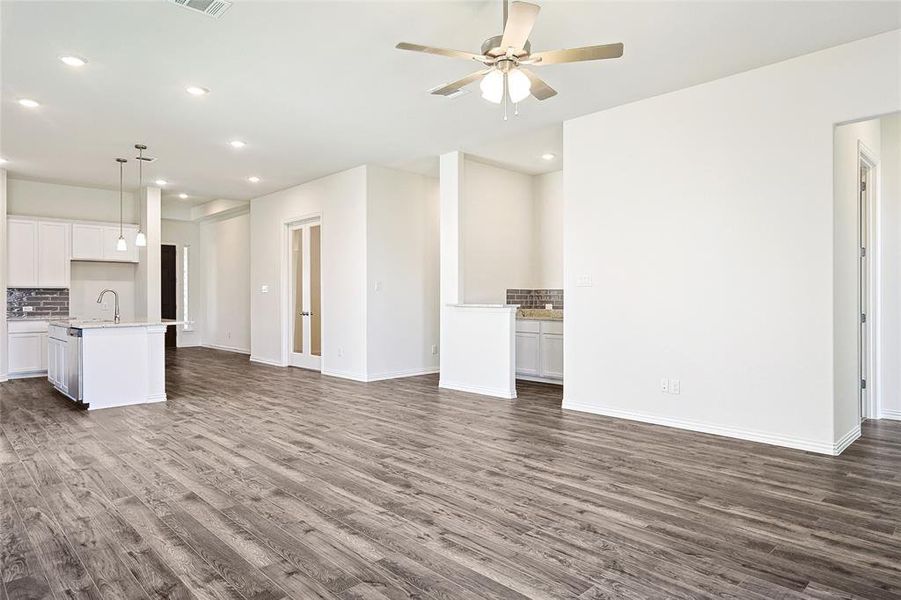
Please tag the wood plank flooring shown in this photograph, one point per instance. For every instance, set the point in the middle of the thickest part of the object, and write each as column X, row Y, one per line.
column 259, row 483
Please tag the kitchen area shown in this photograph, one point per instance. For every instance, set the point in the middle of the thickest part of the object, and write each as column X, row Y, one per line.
column 76, row 296
column 539, row 334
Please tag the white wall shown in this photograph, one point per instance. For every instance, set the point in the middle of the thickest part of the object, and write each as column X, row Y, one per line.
column 497, row 226
column 340, row 201
column 547, row 191
column 402, row 273
column 846, row 310
column 90, row 278
column 225, row 247
column 181, row 234
column 704, row 220
column 890, row 234
column 4, row 359
column 38, row 199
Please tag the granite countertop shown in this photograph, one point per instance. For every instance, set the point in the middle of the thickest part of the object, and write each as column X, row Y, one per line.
column 540, row 314
column 103, row 324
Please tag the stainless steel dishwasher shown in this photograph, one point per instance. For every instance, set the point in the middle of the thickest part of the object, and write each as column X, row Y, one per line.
column 74, row 365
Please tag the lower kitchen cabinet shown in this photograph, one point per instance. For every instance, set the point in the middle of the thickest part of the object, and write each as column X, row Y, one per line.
column 27, row 345
column 539, row 350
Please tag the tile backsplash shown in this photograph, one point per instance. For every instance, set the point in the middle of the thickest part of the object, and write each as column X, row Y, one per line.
column 536, row 298
column 48, row 303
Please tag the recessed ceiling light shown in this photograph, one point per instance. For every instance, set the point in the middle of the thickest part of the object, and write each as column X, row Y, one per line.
column 237, row 144
column 161, row 182
column 73, row 61
column 253, row 179
column 548, row 156
column 182, row 196
column 195, row 90
column 29, row 103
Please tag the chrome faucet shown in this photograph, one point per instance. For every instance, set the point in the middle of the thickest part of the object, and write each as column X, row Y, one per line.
column 116, row 296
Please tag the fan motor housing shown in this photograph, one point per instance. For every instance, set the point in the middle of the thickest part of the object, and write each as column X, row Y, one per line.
column 492, row 47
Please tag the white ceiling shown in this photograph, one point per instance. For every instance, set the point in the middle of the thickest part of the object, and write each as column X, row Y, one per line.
column 317, row 87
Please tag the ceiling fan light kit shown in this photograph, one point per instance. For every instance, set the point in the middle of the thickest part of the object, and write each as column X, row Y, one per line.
column 505, row 55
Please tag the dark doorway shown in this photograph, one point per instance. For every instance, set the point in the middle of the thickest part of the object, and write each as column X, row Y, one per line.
column 168, row 296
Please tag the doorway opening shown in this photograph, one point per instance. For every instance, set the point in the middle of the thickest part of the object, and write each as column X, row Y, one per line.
column 305, row 294
column 168, row 293
column 866, row 278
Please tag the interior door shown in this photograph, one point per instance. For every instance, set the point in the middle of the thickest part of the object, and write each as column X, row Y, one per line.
column 306, row 297
column 863, row 290
column 168, row 295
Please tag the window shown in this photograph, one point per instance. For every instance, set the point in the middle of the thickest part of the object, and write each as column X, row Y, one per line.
column 186, row 287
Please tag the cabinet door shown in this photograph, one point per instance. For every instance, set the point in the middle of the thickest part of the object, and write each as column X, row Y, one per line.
column 22, row 245
column 25, row 352
column 53, row 254
column 52, row 361
column 552, row 355
column 527, row 357
column 87, row 242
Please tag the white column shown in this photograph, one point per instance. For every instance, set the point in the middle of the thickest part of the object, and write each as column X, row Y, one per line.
column 147, row 284
column 451, row 184
column 4, row 358
column 450, row 214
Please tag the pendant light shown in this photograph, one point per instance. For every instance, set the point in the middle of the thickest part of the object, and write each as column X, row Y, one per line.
column 140, row 239
column 121, row 246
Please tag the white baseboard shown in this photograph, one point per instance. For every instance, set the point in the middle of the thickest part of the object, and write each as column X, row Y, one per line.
column 890, row 413
column 27, row 375
column 266, row 361
column 402, row 374
column 149, row 400
column 831, row 449
column 540, row 379
column 474, row 389
column 846, row 440
column 227, row 348
column 345, row 375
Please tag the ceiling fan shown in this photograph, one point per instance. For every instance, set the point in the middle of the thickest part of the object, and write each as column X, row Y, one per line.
column 505, row 56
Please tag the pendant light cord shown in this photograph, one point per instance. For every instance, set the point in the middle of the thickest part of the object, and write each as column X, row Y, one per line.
column 120, row 198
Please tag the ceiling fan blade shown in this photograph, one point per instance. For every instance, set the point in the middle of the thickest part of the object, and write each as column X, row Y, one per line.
column 539, row 89
column 553, row 57
column 440, row 51
column 519, row 25
column 450, row 88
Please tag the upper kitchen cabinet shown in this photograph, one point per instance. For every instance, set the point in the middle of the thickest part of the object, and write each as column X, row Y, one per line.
column 92, row 241
column 38, row 253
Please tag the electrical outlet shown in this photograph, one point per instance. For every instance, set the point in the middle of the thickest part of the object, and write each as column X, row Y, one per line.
column 228, row 335
column 675, row 386
column 104, row 306
column 434, row 349
column 340, row 352
column 664, row 385
column 264, row 289
column 378, row 286
column 31, row 309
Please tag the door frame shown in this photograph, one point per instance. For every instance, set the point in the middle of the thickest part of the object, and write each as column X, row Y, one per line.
column 869, row 402
column 286, row 277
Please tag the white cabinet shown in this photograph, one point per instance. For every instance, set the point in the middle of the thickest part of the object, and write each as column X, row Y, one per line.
column 552, row 355
column 87, row 241
column 57, row 373
column 528, row 360
column 38, row 253
column 27, row 345
column 539, row 350
column 53, row 254
column 98, row 242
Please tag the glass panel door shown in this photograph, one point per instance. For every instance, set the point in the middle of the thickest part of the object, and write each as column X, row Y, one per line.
column 304, row 247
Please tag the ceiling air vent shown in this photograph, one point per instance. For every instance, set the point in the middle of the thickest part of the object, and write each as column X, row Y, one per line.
column 212, row 8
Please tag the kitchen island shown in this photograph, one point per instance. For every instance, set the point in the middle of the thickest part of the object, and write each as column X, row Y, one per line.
column 103, row 364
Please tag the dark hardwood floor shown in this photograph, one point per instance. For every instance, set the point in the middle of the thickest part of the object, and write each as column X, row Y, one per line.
column 261, row 483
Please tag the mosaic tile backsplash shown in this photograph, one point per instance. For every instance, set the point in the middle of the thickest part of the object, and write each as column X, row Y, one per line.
column 535, row 298
column 48, row 303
